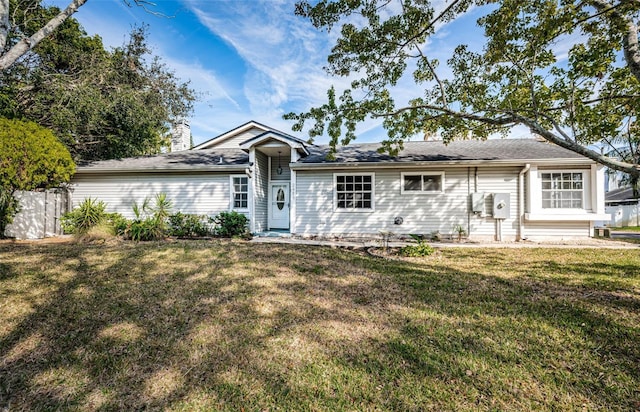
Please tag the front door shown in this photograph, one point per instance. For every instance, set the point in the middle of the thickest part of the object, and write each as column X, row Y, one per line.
column 279, row 206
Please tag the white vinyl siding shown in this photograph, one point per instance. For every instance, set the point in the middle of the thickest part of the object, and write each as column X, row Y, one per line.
column 490, row 181
column 557, row 230
column 203, row 194
column 420, row 214
column 285, row 159
column 261, row 193
column 315, row 212
column 233, row 142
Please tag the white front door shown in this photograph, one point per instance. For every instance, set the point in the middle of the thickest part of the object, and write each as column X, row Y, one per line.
column 279, row 206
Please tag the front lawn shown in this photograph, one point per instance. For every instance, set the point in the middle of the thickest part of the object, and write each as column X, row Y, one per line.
column 226, row 325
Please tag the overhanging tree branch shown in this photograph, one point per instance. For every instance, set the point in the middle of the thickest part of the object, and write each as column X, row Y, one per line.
column 26, row 44
column 630, row 44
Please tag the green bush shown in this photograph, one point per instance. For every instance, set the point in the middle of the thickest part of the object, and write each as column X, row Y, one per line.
column 151, row 221
column 90, row 213
column 143, row 230
column 230, row 224
column 117, row 223
column 420, row 249
column 187, row 225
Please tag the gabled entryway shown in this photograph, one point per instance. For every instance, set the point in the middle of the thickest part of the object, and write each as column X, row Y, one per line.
column 272, row 180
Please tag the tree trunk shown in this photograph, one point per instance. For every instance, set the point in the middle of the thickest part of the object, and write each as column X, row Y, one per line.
column 10, row 56
column 4, row 24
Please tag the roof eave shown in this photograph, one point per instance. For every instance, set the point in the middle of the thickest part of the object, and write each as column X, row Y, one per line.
column 410, row 164
column 213, row 168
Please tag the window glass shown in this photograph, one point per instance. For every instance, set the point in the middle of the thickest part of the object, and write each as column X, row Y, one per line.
column 423, row 182
column 240, row 192
column 562, row 190
column 354, row 192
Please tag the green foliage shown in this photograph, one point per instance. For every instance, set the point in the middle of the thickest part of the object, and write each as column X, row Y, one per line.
column 117, row 223
column 421, row 249
column 459, row 231
column 187, row 225
column 151, row 220
column 230, row 224
column 9, row 206
column 31, row 158
column 517, row 78
column 89, row 214
column 103, row 104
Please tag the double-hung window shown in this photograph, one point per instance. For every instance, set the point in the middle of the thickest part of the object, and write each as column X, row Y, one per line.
column 239, row 192
column 562, row 190
column 427, row 182
column 354, row 192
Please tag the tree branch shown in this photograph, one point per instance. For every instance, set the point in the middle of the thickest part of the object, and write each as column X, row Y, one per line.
column 27, row 44
column 630, row 35
column 4, row 23
column 509, row 118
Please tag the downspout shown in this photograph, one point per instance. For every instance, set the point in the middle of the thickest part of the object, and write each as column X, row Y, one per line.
column 524, row 170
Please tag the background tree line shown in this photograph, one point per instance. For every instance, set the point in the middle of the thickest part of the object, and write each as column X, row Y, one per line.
column 101, row 103
column 64, row 96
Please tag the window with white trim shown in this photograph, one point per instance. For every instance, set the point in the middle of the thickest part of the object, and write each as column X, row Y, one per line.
column 431, row 182
column 354, row 191
column 562, row 190
column 239, row 192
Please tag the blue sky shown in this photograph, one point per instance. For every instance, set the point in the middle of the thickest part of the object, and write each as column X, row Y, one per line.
column 248, row 59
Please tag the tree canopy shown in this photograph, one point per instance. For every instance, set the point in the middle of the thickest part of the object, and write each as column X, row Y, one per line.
column 102, row 104
column 518, row 78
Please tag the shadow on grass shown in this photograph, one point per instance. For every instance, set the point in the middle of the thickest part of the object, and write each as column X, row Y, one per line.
column 223, row 325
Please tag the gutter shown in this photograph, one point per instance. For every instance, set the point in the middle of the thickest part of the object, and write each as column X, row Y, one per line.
column 432, row 164
column 214, row 168
column 524, row 170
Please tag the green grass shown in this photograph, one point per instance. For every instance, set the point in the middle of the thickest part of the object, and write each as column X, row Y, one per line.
column 626, row 229
column 228, row 325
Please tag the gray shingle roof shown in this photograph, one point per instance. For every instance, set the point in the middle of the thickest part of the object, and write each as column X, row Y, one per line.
column 619, row 195
column 183, row 160
column 432, row 151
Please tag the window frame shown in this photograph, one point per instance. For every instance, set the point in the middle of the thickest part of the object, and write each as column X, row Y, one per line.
column 232, row 193
column 583, row 199
column 354, row 210
column 422, row 191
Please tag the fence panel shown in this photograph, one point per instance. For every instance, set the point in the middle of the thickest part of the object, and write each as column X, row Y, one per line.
column 39, row 215
column 624, row 215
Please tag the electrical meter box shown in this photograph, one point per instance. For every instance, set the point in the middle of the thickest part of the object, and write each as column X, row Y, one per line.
column 477, row 203
column 501, row 206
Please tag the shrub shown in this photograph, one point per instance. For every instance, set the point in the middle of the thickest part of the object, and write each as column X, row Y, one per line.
column 90, row 213
column 420, row 249
column 117, row 223
column 143, row 230
column 187, row 225
column 230, row 224
column 151, row 221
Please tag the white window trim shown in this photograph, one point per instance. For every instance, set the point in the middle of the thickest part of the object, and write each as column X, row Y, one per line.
column 232, row 192
column 421, row 192
column 585, row 186
column 355, row 210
